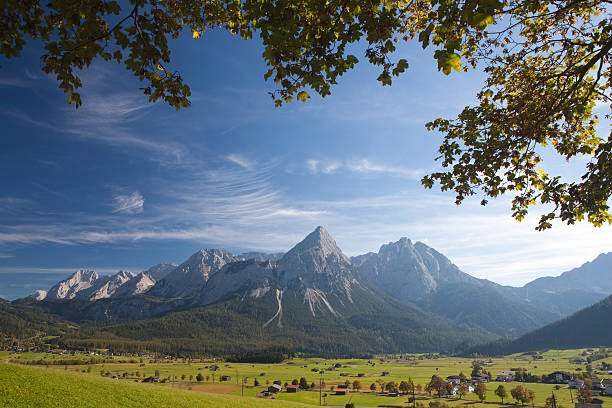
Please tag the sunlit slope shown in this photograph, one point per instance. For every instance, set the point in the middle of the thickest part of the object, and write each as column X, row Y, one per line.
column 46, row 388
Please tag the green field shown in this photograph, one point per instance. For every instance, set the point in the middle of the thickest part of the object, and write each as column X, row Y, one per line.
column 41, row 388
column 418, row 367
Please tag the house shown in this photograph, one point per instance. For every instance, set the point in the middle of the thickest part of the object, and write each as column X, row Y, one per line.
column 505, row 376
column 453, row 379
column 275, row 388
column 342, row 390
column 607, row 383
column 598, row 385
column 385, row 374
column 226, row 378
column 576, row 384
column 560, row 377
column 483, row 378
column 293, row 388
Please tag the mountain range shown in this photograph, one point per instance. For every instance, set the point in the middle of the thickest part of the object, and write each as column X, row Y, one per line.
column 406, row 297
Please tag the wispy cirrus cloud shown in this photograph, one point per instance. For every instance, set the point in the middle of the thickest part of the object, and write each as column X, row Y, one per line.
column 13, row 204
column 362, row 166
column 128, row 204
column 240, row 160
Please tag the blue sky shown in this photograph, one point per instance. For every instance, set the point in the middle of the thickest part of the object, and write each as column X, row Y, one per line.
column 121, row 183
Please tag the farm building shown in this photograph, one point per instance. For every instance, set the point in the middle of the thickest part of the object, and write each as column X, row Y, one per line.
column 342, row 390
column 506, row 376
column 576, row 384
column 293, row 388
column 453, row 379
column 226, row 378
column 483, row 378
column 275, row 388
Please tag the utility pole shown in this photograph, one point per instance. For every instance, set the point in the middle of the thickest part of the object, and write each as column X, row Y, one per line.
column 320, row 386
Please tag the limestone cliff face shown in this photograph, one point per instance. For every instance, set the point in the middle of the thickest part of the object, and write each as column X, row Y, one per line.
column 87, row 284
column 136, row 285
column 159, row 271
column 409, row 271
column 69, row 288
column 190, row 277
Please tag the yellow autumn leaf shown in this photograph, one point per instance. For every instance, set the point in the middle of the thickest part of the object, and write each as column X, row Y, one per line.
column 160, row 67
column 196, row 34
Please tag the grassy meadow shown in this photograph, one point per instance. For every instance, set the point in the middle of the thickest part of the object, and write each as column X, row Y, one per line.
column 418, row 367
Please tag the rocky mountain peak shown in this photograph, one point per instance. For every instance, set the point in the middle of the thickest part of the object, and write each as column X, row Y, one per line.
column 191, row 276
column 159, row 271
column 317, row 265
column 409, row 271
column 318, row 240
column 38, row 295
column 124, row 275
column 68, row 288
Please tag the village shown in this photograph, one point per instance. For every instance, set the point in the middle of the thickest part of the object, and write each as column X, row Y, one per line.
column 568, row 379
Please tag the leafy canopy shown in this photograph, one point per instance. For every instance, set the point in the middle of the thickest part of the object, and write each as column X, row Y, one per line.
column 547, row 65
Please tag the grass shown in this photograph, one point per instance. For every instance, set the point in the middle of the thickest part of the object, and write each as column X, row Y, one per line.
column 417, row 367
column 48, row 388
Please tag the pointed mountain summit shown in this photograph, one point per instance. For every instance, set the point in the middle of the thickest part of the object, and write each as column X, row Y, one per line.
column 81, row 280
column 106, row 286
column 191, row 276
column 136, row 285
column 315, row 254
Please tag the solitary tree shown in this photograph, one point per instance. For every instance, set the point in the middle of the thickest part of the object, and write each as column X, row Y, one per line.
column 199, row 377
column 303, row 383
column 520, row 394
column 501, row 392
column 373, row 387
column 584, row 396
column 481, row 391
column 357, row 385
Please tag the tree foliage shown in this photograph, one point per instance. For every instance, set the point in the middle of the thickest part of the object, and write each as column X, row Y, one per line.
column 522, row 394
column 438, row 385
column 547, row 65
column 584, row 396
column 501, row 392
column 481, row 391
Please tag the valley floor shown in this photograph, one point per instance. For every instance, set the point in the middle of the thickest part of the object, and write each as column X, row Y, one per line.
column 61, row 385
